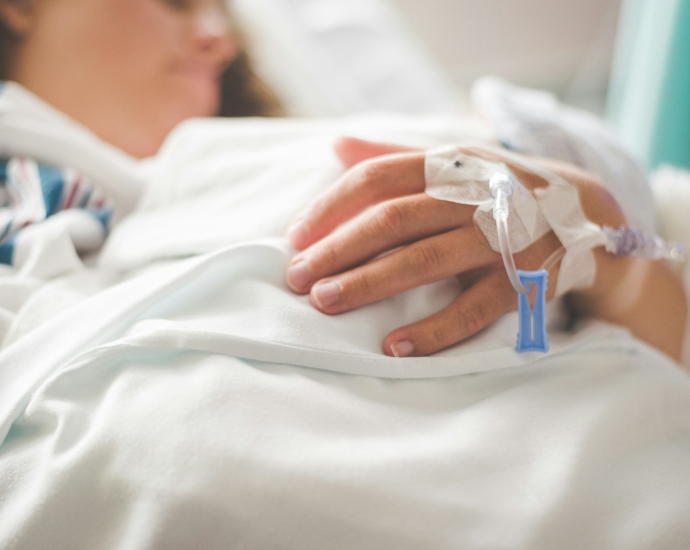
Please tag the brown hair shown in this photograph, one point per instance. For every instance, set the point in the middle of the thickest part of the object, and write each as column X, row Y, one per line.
column 244, row 94
column 7, row 42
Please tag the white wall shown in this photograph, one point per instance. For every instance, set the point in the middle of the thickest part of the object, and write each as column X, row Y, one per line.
column 563, row 45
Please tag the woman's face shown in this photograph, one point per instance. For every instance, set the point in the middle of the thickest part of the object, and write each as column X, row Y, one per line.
column 128, row 69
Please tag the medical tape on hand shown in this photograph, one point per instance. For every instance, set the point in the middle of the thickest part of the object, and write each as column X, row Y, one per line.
column 454, row 176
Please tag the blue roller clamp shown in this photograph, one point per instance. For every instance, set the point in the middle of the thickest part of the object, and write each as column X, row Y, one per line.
column 532, row 332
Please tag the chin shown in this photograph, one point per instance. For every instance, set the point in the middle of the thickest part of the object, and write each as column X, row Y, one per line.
column 198, row 97
column 162, row 116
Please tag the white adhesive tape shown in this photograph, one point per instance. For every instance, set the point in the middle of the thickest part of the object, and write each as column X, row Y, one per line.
column 454, row 176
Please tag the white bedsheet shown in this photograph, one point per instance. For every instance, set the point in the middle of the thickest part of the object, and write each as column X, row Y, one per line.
column 197, row 403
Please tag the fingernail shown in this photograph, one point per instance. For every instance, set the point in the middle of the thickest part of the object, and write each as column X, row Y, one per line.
column 299, row 276
column 404, row 348
column 297, row 234
column 327, row 294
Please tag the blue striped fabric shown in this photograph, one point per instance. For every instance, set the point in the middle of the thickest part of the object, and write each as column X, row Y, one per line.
column 30, row 192
column 52, row 185
column 7, row 250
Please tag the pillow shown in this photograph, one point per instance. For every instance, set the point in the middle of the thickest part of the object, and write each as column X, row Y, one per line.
column 329, row 57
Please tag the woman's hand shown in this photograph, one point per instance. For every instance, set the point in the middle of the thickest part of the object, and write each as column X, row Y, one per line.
column 376, row 233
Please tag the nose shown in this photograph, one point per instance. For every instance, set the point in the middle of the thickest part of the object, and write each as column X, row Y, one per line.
column 213, row 34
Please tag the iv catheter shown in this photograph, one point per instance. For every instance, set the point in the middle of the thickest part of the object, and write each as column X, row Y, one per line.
column 623, row 241
column 532, row 320
column 501, row 188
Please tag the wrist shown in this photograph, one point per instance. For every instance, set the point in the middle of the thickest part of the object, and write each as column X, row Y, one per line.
column 643, row 295
column 618, row 285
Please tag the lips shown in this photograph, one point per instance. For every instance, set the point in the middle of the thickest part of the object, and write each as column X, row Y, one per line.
column 203, row 79
column 198, row 71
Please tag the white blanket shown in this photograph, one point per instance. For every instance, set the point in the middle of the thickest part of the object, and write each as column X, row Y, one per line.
column 197, row 403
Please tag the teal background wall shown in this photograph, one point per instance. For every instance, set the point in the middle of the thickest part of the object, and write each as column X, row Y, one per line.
column 649, row 96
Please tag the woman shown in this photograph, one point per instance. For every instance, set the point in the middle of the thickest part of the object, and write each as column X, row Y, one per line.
column 200, row 404
column 131, row 70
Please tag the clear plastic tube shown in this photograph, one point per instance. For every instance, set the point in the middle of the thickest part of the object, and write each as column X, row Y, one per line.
column 532, row 334
column 552, row 260
column 508, row 261
column 501, row 187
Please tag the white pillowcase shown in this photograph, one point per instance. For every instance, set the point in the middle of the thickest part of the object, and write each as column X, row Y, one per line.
column 329, row 57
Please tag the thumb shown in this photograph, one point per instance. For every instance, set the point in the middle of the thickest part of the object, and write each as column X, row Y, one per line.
column 352, row 151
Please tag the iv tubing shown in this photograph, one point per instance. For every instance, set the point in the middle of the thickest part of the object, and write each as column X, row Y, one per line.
column 501, row 188
column 552, row 260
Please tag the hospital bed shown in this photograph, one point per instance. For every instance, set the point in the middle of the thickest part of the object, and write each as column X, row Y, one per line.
column 172, row 393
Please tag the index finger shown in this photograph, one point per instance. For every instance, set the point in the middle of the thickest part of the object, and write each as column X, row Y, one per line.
column 366, row 184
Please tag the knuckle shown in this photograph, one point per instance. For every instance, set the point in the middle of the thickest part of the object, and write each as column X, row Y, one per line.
column 370, row 176
column 389, row 218
column 471, row 320
column 425, row 259
column 326, row 258
column 440, row 337
column 316, row 209
column 601, row 207
column 369, row 173
column 361, row 286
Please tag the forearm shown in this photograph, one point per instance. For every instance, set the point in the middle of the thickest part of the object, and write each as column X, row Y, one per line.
column 645, row 296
